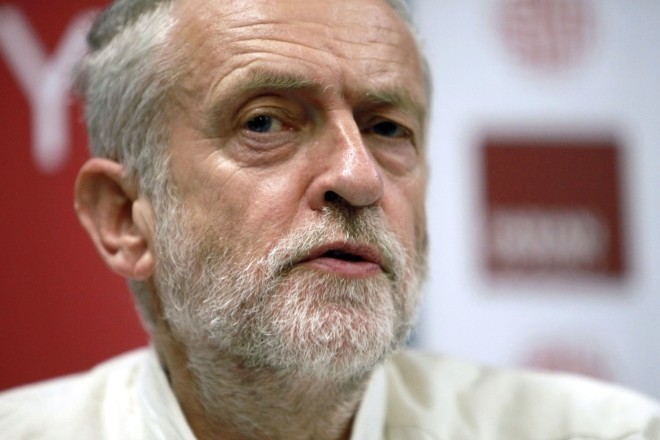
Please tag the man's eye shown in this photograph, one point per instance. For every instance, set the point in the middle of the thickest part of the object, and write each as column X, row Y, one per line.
column 389, row 129
column 263, row 124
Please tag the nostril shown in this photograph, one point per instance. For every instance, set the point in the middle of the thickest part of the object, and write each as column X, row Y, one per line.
column 331, row 196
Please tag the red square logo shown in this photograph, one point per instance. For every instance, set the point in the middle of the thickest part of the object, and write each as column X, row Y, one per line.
column 552, row 206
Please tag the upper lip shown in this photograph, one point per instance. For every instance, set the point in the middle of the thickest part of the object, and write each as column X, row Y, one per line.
column 360, row 251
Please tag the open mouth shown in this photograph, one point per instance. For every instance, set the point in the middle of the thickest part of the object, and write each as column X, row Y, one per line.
column 342, row 255
column 349, row 252
column 345, row 259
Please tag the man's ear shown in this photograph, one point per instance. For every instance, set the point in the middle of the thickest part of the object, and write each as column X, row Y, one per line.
column 119, row 222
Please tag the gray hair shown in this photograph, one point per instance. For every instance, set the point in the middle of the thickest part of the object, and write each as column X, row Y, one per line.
column 127, row 81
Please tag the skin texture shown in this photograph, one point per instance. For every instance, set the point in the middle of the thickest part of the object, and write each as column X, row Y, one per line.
column 266, row 184
column 284, row 111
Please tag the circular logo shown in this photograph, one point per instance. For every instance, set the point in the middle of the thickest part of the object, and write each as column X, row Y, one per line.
column 547, row 34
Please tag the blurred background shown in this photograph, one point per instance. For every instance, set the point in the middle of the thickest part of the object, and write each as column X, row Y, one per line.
column 543, row 209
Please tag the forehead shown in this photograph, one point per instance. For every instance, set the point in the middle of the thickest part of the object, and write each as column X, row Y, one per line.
column 342, row 44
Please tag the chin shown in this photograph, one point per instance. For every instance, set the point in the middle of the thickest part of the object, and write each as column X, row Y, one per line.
column 327, row 326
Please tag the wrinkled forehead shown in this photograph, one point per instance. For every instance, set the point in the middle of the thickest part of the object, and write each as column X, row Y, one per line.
column 362, row 16
column 366, row 38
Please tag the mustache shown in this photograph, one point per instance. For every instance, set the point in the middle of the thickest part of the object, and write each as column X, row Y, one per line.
column 340, row 224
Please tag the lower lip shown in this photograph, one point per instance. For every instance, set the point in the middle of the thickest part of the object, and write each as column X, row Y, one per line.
column 348, row 269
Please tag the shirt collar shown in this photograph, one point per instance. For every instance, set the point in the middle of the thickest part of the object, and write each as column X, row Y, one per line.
column 370, row 419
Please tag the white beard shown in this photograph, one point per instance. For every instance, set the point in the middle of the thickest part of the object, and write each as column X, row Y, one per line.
column 269, row 313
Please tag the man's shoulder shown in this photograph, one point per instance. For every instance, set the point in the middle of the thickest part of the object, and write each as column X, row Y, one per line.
column 72, row 403
column 475, row 402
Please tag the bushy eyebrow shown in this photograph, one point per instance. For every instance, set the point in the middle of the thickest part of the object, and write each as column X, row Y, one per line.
column 397, row 98
column 254, row 80
column 263, row 79
column 260, row 79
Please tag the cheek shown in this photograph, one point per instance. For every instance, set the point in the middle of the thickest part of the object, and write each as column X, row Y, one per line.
column 420, row 218
column 257, row 213
column 421, row 236
column 215, row 212
column 408, row 214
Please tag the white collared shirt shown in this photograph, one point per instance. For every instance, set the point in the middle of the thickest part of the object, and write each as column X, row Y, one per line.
column 414, row 396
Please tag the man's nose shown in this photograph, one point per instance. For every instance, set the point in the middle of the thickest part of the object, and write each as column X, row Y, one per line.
column 347, row 171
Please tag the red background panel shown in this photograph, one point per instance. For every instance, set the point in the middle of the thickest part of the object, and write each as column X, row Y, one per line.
column 61, row 309
column 541, row 179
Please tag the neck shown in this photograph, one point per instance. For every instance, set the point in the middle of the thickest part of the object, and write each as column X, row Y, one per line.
column 221, row 398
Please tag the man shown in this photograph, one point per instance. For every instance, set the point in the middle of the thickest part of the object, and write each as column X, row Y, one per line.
column 258, row 177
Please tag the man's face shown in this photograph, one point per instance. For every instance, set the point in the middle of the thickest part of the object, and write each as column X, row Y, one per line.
column 298, row 238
